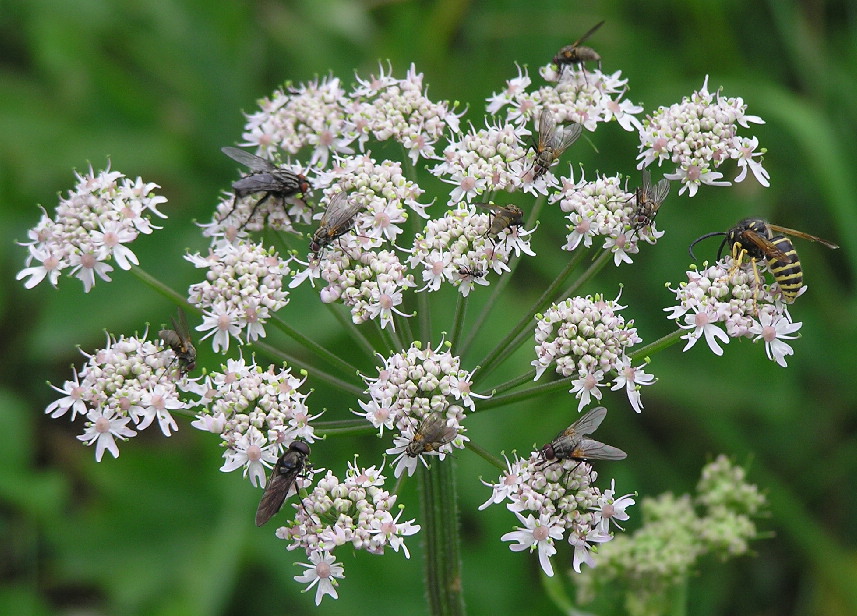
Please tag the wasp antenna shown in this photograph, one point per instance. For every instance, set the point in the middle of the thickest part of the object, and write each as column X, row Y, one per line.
column 705, row 237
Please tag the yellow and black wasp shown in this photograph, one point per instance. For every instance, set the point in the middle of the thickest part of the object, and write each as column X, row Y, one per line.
column 576, row 54
column 756, row 239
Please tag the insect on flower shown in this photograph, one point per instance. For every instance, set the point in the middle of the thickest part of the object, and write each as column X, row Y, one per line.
column 649, row 199
column 575, row 54
column 432, row 433
column 178, row 339
column 466, row 271
column 337, row 220
column 265, row 177
column 572, row 444
column 552, row 142
column 504, row 217
column 756, row 239
column 288, row 468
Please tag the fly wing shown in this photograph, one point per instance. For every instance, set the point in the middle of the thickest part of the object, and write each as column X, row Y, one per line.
column 180, row 325
column 563, row 139
column 340, row 210
column 277, row 489
column 587, row 424
column 588, row 34
column 251, row 161
column 589, row 449
column 547, row 129
column 659, row 191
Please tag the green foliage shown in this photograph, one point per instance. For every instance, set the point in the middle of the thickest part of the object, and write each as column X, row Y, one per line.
column 157, row 86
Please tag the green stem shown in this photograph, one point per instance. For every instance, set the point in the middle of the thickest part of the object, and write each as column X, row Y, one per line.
column 439, row 509
column 424, row 316
column 658, row 345
column 524, row 394
column 458, row 321
column 163, row 289
column 512, row 383
column 496, row 356
column 314, row 372
column 313, row 346
column 350, row 427
column 593, row 269
column 349, row 326
column 501, row 285
column 405, row 326
column 483, row 453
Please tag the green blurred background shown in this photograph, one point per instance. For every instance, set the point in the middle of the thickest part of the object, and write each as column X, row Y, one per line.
column 158, row 87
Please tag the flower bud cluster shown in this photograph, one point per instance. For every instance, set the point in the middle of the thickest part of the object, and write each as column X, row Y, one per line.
column 586, row 338
column 485, row 161
column 91, row 226
column 131, row 380
column 677, row 532
column 456, row 249
column 586, row 97
column 356, row 510
column 556, row 501
column 308, row 115
column 370, row 285
column 398, row 109
column 409, row 388
column 256, row 412
column 698, row 135
column 242, row 290
column 730, row 297
column 603, row 208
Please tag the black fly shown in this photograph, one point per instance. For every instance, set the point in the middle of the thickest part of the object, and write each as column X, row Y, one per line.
column 287, row 469
column 178, row 339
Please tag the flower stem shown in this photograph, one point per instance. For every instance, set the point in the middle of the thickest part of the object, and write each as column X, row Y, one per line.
column 597, row 263
column 314, row 372
column 439, row 508
column 483, row 453
column 496, row 356
column 344, row 427
column 658, row 345
column 458, row 321
column 524, row 394
column 351, row 328
column 313, row 346
column 163, row 289
column 512, row 383
column 424, row 316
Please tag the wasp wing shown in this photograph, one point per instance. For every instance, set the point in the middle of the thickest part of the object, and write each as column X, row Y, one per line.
column 768, row 248
column 801, row 234
column 251, row 161
column 589, row 449
column 588, row 34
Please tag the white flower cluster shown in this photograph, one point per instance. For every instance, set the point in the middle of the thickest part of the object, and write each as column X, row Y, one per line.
column 412, row 386
column 729, row 297
column 557, row 501
column 698, row 135
column 242, row 290
column 371, row 284
column 257, row 413
column 308, row 115
column 91, row 227
column 485, row 161
column 456, row 248
column 355, row 510
column 398, row 109
column 603, row 208
column 382, row 191
column 586, row 97
column 586, row 338
column 130, row 380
